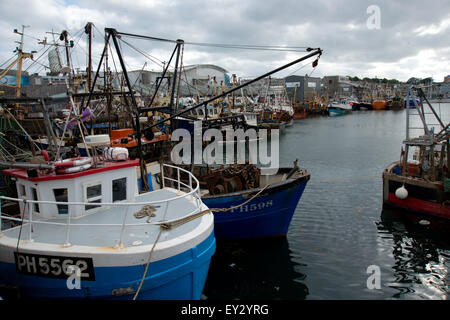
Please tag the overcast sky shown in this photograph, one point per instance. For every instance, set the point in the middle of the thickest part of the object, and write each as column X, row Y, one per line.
column 406, row 38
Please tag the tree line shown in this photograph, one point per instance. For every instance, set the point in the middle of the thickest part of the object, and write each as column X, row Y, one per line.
column 412, row 80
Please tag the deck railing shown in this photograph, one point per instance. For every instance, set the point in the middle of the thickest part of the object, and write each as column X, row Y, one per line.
column 193, row 192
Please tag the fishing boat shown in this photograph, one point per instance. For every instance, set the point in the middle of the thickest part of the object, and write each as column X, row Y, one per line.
column 379, row 104
column 339, row 107
column 84, row 231
column 420, row 181
column 152, row 148
column 413, row 102
column 396, row 103
column 271, row 119
column 316, row 107
column 210, row 112
column 248, row 203
column 361, row 105
column 299, row 112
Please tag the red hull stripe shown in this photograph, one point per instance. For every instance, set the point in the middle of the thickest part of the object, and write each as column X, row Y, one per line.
column 420, row 205
column 21, row 173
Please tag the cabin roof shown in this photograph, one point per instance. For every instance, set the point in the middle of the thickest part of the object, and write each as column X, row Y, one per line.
column 108, row 166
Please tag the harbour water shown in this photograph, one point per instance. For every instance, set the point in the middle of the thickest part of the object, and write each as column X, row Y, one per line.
column 340, row 230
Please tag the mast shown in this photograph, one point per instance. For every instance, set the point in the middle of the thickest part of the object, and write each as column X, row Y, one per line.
column 88, row 31
column 171, row 104
column 19, row 60
column 63, row 37
column 111, row 33
column 19, row 67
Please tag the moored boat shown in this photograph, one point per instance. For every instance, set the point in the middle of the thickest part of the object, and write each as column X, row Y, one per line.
column 89, row 234
column 420, row 181
column 249, row 204
column 379, row 104
column 396, row 103
column 299, row 112
column 356, row 106
column 339, row 108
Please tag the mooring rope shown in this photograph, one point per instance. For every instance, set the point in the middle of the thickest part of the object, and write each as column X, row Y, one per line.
column 176, row 223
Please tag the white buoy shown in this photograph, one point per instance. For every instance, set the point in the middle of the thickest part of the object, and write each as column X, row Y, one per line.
column 401, row 193
column 424, row 222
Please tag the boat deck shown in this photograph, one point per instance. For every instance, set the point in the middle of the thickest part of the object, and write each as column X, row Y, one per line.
column 86, row 231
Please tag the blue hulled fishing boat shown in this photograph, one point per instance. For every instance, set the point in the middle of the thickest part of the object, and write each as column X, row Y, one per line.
column 339, row 108
column 247, row 204
column 83, row 231
column 268, row 214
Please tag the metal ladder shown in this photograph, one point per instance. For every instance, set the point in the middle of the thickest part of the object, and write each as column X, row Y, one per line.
column 428, row 129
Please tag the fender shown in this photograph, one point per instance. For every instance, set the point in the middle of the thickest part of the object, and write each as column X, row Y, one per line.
column 62, row 170
column 73, row 162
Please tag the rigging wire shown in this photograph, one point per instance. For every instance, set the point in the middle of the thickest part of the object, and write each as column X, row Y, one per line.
column 250, row 47
column 13, row 145
column 160, row 64
column 148, row 56
column 222, row 45
column 37, row 60
column 7, row 61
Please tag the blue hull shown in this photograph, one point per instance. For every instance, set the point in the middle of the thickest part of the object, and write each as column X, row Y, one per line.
column 181, row 277
column 267, row 215
column 411, row 103
column 333, row 112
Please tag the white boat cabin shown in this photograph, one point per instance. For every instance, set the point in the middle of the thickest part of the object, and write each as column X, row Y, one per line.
column 251, row 118
column 110, row 182
column 200, row 112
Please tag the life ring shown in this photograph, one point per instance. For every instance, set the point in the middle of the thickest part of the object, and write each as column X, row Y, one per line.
column 73, row 162
column 63, row 170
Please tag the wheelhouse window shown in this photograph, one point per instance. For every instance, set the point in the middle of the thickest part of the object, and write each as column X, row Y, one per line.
column 119, row 189
column 35, row 197
column 22, row 192
column 93, row 195
column 61, row 195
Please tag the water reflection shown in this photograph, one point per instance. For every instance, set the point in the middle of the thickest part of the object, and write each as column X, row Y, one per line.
column 254, row 270
column 420, row 247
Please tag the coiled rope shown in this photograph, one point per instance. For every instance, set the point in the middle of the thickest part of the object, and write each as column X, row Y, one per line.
column 176, row 223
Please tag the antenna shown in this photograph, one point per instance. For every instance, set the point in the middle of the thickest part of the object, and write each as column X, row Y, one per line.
column 21, row 38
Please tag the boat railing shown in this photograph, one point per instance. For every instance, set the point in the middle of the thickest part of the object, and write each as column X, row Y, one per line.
column 192, row 193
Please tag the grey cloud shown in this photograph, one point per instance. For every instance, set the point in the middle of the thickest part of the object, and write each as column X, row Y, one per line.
column 338, row 27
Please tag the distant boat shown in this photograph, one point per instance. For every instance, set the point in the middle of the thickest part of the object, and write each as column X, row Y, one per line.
column 379, row 104
column 411, row 102
column 339, row 107
column 356, row 106
column 396, row 104
column 274, row 119
column 299, row 112
column 198, row 114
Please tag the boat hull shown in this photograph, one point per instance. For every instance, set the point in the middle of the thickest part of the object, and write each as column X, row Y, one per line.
column 300, row 113
column 267, row 215
column 423, row 197
column 379, row 105
column 179, row 277
column 356, row 106
column 333, row 112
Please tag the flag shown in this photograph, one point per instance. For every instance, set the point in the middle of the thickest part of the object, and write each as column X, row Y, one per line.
column 85, row 116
